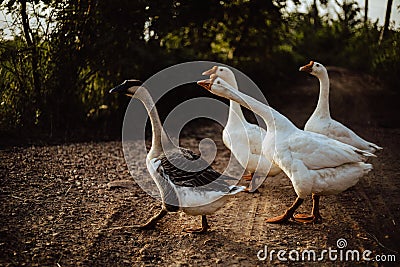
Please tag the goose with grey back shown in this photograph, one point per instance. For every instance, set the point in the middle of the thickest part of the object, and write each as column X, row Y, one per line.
column 186, row 181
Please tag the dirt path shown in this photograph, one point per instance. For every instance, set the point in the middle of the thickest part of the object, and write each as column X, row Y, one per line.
column 57, row 211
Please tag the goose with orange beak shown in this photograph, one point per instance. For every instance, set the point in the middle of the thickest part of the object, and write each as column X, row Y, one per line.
column 321, row 121
column 316, row 165
column 185, row 181
column 244, row 139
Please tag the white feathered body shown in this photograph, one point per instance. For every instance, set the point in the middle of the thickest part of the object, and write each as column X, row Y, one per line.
column 336, row 130
column 321, row 121
column 315, row 163
column 192, row 201
column 245, row 141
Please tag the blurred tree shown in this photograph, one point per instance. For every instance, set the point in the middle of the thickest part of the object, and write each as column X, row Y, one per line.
column 366, row 11
column 25, row 61
column 61, row 57
column 32, row 45
column 387, row 20
column 348, row 17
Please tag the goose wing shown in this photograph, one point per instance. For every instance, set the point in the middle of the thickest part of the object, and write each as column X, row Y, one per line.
column 340, row 132
column 318, row 151
column 186, row 168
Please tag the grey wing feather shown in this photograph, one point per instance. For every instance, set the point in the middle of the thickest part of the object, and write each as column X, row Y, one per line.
column 186, row 168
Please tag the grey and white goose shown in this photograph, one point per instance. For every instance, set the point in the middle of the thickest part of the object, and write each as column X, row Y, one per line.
column 186, row 181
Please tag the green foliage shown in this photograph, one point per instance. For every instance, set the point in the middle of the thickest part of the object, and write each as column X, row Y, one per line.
column 386, row 61
column 82, row 48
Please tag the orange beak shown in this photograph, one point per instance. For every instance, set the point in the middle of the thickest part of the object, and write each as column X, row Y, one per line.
column 213, row 70
column 308, row 67
column 205, row 83
column 208, row 83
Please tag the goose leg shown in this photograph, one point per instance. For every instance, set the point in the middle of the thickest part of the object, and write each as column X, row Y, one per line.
column 248, row 176
column 255, row 182
column 204, row 226
column 288, row 213
column 315, row 210
column 153, row 220
column 315, row 216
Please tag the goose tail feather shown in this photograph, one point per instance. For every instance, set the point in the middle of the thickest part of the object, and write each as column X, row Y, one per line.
column 374, row 146
column 365, row 153
column 367, row 167
column 233, row 189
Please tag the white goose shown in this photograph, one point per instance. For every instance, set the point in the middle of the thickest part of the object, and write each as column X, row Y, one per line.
column 242, row 138
column 314, row 163
column 321, row 121
column 185, row 181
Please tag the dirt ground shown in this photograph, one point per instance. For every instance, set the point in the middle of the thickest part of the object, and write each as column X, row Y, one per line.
column 56, row 210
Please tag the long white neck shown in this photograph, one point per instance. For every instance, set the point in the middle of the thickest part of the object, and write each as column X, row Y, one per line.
column 273, row 119
column 235, row 111
column 158, row 134
column 323, row 100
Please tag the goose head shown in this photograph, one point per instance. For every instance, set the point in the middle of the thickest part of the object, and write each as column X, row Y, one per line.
column 314, row 68
column 216, row 85
column 213, row 70
column 128, row 87
column 223, row 72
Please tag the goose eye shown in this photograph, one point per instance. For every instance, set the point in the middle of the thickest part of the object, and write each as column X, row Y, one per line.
column 218, row 82
column 221, row 70
column 317, row 65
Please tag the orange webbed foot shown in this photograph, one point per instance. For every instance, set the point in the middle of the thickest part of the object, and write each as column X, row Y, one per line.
column 308, row 218
column 279, row 219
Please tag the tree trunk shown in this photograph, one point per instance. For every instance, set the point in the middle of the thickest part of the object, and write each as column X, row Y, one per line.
column 366, row 12
column 387, row 21
column 31, row 42
column 315, row 14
